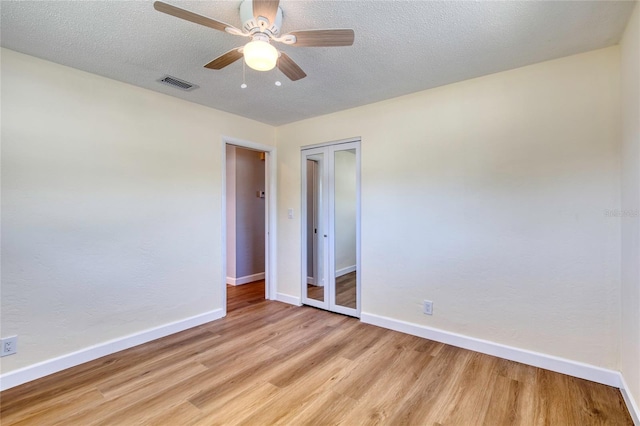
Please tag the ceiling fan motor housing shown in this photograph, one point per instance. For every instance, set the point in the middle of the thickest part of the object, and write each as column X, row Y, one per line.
column 252, row 25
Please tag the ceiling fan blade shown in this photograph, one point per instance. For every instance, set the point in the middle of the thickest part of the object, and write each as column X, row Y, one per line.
column 290, row 68
column 225, row 59
column 267, row 9
column 310, row 38
column 192, row 17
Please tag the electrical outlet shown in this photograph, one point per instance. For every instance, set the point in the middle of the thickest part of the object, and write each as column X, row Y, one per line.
column 427, row 307
column 9, row 345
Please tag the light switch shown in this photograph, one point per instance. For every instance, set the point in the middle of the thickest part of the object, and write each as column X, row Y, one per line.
column 290, row 213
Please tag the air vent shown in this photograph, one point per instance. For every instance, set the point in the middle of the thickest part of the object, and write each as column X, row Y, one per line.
column 177, row 83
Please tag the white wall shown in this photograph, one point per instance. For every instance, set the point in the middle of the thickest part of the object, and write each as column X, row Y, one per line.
column 486, row 196
column 111, row 207
column 630, row 349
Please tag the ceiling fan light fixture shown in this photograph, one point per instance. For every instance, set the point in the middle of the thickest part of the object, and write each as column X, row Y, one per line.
column 260, row 55
column 262, row 21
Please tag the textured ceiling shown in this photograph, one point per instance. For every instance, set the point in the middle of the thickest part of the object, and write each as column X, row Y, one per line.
column 400, row 46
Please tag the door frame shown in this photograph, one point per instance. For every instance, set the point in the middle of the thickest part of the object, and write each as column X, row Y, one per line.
column 270, row 223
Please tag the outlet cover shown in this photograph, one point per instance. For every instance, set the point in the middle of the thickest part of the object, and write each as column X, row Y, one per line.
column 427, row 307
column 9, row 345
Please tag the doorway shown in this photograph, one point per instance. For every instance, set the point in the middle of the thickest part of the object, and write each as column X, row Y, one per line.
column 331, row 227
column 248, row 208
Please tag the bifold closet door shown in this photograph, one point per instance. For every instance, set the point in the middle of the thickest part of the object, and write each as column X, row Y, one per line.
column 315, row 220
column 331, row 227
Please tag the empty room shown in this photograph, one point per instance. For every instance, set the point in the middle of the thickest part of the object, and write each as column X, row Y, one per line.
column 320, row 212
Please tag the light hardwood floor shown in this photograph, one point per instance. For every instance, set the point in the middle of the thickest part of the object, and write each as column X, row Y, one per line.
column 272, row 363
column 345, row 291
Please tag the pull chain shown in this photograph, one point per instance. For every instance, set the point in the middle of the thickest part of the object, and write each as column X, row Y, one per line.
column 244, row 84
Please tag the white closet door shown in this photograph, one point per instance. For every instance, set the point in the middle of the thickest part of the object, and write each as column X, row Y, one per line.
column 315, row 214
column 331, row 227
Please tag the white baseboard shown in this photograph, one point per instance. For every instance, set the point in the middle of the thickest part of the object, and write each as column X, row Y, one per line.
column 50, row 366
column 631, row 403
column 310, row 280
column 285, row 298
column 345, row 271
column 536, row 359
column 246, row 279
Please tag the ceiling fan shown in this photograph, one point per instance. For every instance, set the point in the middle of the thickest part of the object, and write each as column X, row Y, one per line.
column 261, row 22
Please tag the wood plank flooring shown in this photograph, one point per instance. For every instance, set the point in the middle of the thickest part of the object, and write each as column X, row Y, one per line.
column 345, row 290
column 271, row 363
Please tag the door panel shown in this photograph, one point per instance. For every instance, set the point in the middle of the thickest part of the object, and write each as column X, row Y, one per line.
column 345, row 224
column 315, row 288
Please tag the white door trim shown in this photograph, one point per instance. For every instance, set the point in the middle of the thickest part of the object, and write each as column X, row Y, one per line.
column 270, row 243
